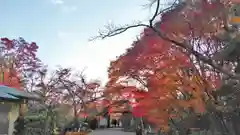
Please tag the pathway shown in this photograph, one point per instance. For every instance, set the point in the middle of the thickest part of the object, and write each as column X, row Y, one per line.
column 110, row 132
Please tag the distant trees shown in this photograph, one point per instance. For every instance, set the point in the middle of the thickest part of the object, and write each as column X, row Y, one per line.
column 22, row 69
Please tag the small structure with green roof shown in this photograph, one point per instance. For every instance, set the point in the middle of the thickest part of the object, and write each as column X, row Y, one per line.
column 10, row 101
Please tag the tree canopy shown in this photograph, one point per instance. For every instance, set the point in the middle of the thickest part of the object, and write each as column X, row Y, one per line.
column 178, row 63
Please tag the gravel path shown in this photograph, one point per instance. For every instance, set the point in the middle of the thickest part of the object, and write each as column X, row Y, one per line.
column 111, row 132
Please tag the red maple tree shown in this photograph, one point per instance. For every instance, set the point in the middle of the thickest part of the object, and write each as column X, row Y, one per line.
column 19, row 62
column 170, row 79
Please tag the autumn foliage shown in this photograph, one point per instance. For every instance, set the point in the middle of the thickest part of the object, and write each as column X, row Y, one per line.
column 10, row 79
column 164, row 79
column 18, row 62
column 20, row 53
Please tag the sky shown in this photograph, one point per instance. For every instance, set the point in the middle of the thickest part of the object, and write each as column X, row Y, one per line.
column 62, row 29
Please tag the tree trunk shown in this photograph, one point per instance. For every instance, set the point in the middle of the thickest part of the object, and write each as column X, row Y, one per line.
column 75, row 110
column 218, row 124
column 108, row 121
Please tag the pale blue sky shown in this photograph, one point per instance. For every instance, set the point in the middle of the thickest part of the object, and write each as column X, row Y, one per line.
column 62, row 28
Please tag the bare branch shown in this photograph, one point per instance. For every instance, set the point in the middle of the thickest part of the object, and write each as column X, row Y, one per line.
column 112, row 30
column 155, row 14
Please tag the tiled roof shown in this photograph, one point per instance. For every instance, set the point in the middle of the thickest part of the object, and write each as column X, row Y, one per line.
column 14, row 94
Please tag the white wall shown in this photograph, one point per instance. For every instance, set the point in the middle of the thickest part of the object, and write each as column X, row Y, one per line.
column 12, row 116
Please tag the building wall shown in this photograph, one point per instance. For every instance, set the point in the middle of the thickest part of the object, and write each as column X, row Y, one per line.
column 4, row 122
column 13, row 115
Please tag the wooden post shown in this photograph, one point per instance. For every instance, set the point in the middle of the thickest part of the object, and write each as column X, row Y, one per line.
column 22, row 108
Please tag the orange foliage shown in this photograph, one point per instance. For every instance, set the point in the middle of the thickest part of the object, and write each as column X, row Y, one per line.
column 164, row 72
column 9, row 78
column 171, row 79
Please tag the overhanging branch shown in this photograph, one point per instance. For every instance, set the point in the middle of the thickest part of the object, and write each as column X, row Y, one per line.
column 113, row 32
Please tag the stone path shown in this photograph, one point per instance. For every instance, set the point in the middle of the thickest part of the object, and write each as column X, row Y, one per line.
column 111, row 132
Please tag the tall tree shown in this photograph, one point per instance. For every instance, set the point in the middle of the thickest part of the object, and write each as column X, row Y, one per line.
column 74, row 89
column 178, row 59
